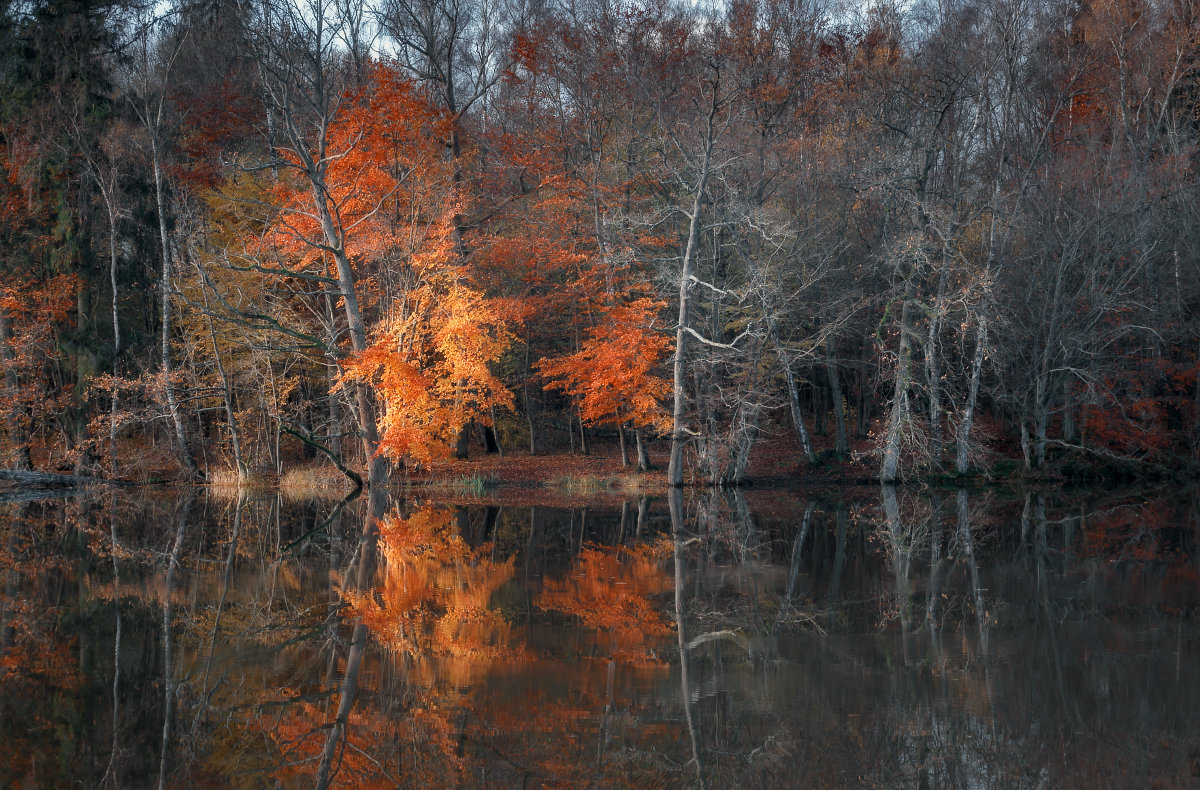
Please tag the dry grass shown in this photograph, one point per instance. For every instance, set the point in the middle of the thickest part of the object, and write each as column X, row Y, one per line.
column 626, row 483
column 637, row 483
column 230, row 484
column 581, row 484
column 314, row 481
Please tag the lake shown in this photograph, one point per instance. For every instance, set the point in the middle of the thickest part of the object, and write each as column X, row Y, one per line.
column 871, row 638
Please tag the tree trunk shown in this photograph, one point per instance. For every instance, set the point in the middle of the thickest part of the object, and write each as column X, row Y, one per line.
column 529, row 405
column 116, row 325
column 493, row 434
column 487, row 436
column 675, row 465
column 820, row 410
column 1026, row 452
column 933, row 373
column 226, row 395
column 334, row 405
column 1068, row 413
column 584, row 447
column 744, row 443
column 1041, row 418
column 185, row 452
column 624, row 445
column 643, row 453
column 841, row 441
column 963, row 434
column 377, row 473
column 863, row 412
column 794, row 401
column 891, row 454
column 462, row 445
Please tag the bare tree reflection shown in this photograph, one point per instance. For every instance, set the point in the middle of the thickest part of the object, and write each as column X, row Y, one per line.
column 169, row 682
column 675, row 502
column 420, row 656
column 363, row 579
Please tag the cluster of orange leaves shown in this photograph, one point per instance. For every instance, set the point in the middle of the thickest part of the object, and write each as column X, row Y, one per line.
column 612, row 590
column 36, row 310
column 431, row 600
column 431, row 365
column 391, row 191
column 612, row 375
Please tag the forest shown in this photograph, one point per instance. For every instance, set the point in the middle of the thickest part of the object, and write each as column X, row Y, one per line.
column 933, row 236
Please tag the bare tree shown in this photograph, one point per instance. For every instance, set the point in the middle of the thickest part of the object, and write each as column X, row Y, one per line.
column 304, row 75
column 150, row 83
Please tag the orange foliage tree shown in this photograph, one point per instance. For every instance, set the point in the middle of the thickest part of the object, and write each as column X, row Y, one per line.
column 431, row 362
column 613, row 374
column 30, row 314
column 432, row 333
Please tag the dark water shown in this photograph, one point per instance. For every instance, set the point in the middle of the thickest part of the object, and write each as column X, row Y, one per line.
column 953, row 639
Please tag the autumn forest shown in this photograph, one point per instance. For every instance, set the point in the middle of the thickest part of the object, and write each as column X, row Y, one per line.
column 935, row 237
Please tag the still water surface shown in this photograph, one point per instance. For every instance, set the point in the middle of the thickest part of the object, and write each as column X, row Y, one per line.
column 777, row 639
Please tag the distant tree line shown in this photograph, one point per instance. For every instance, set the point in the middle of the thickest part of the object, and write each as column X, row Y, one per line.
column 234, row 234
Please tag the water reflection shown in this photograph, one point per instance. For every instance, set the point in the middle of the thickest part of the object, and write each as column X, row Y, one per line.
column 709, row 639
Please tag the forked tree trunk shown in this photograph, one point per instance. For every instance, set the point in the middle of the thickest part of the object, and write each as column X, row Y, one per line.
column 368, row 426
column 678, row 438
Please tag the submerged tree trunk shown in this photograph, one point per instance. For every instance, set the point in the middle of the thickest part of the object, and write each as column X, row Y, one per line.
column 169, row 682
column 360, row 583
